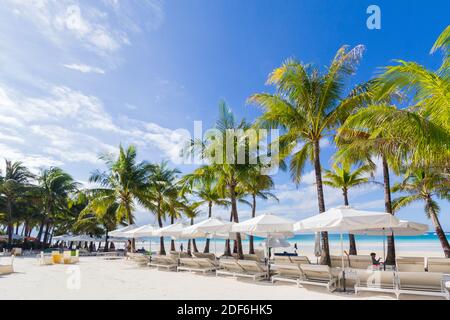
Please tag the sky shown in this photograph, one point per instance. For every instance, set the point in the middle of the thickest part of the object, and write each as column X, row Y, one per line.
column 79, row 77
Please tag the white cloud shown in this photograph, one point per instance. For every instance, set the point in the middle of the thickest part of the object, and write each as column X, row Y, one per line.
column 84, row 68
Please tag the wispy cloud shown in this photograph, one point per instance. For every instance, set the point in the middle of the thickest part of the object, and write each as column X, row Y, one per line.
column 84, row 68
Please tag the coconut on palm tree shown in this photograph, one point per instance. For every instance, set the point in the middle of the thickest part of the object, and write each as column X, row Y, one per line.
column 425, row 185
column 343, row 177
column 309, row 105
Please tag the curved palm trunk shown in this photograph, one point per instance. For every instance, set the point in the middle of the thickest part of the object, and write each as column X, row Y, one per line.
column 325, row 258
column 10, row 224
column 438, row 228
column 390, row 257
column 162, row 250
column 227, row 251
column 46, row 233
column 189, row 247
column 251, row 245
column 351, row 237
column 209, row 216
column 105, row 249
column 172, row 242
column 234, row 213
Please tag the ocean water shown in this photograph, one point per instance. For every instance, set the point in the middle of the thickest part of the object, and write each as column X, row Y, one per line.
column 428, row 242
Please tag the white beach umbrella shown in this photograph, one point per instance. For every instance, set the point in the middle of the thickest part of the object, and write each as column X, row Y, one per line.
column 405, row 228
column 277, row 243
column 121, row 232
column 174, row 230
column 265, row 226
column 346, row 219
column 144, row 231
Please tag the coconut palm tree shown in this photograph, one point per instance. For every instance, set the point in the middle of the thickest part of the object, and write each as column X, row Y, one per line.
column 257, row 186
column 163, row 195
column 222, row 152
column 202, row 185
column 122, row 186
column 342, row 177
column 55, row 187
column 309, row 105
column 12, row 185
column 425, row 185
column 431, row 89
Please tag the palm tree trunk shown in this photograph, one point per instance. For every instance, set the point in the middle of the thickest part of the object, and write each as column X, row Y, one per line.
column 10, row 224
column 438, row 228
column 162, row 250
column 390, row 257
column 351, row 237
column 105, row 249
column 325, row 258
column 47, row 229
column 234, row 213
column 209, row 216
column 172, row 242
column 227, row 251
column 189, row 247
column 251, row 245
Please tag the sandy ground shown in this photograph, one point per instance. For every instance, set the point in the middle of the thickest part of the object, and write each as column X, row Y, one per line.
column 95, row 278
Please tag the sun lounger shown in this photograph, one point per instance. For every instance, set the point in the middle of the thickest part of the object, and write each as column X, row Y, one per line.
column 254, row 269
column 422, row 283
column 200, row 255
column 336, row 261
column 299, row 259
column 7, row 268
column 197, row 265
column 439, row 265
column 44, row 260
column 160, row 261
column 360, row 262
column 411, row 264
column 320, row 275
column 16, row 251
column 375, row 281
column 242, row 268
column 288, row 272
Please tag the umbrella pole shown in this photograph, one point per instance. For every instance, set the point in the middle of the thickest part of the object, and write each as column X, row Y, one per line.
column 384, row 250
column 342, row 260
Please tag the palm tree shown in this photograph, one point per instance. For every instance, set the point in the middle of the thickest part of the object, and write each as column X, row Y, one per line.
column 163, row 195
column 122, row 186
column 12, row 184
column 309, row 105
column 424, row 185
column 55, row 187
column 203, row 186
column 222, row 154
column 257, row 186
column 342, row 177
column 430, row 88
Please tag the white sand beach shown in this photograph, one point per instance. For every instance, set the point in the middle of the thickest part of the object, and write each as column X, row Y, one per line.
column 95, row 278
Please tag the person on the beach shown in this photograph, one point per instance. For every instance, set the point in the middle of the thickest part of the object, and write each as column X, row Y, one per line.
column 128, row 247
column 181, row 247
column 375, row 261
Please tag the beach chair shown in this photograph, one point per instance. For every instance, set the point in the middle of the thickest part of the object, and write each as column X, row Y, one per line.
column 336, row 262
column 229, row 267
column 375, row 281
column 196, row 265
column 68, row 258
column 253, row 269
column 281, row 260
column 165, row 262
column 299, row 259
column 320, row 275
column 411, row 264
column 360, row 262
column 7, row 268
column 422, row 283
column 200, row 255
column 439, row 265
column 16, row 251
column 44, row 260
column 288, row 272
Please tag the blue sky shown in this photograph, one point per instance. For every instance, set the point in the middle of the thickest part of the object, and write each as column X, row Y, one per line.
column 79, row 77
